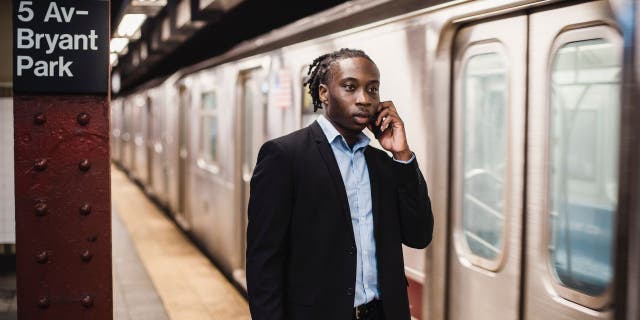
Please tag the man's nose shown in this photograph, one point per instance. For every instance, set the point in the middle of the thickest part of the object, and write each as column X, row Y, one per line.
column 363, row 98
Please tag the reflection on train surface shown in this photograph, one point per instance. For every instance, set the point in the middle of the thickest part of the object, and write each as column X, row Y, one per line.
column 512, row 107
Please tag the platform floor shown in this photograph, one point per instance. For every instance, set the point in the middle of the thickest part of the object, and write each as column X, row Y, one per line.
column 186, row 282
column 8, row 301
column 134, row 295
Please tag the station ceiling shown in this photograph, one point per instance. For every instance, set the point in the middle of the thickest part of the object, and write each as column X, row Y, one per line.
column 246, row 20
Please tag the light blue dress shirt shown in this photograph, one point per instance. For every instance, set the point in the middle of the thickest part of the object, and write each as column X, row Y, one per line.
column 355, row 175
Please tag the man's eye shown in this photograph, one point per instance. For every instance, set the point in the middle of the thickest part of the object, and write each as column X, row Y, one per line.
column 349, row 87
column 373, row 89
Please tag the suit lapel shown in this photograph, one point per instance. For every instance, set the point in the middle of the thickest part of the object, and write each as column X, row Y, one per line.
column 332, row 165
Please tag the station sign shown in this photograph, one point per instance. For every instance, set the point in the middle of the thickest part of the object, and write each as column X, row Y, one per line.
column 61, row 46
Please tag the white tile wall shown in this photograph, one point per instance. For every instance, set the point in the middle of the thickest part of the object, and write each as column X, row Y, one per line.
column 7, row 200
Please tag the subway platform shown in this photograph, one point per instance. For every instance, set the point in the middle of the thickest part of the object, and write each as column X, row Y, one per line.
column 158, row 274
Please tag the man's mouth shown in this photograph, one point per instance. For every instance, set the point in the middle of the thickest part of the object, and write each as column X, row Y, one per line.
column 362, row 118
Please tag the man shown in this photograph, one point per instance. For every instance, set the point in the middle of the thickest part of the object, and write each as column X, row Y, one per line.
column 328, row 214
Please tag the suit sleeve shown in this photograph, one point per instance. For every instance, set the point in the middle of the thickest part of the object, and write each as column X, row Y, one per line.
column 270, row 206
column 414, row 205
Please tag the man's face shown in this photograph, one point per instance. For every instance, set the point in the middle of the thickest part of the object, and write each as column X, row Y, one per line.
column 351, row 94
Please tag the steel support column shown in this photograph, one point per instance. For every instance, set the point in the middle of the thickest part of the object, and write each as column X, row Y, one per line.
column 626, row 236
column 63, row 207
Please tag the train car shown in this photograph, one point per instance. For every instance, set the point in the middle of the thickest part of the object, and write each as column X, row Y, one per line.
column 514, row 112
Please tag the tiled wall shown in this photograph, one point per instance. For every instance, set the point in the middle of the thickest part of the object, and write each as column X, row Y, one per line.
column 7, row 203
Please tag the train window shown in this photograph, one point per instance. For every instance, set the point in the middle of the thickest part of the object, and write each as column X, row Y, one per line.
column 484, row 100
column 248, row 124
column 209, row 127
column 585, row 111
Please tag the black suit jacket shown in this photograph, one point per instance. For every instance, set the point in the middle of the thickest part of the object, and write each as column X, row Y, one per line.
column 301, row 253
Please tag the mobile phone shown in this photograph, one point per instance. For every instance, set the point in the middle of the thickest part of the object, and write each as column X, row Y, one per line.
column 377, row 132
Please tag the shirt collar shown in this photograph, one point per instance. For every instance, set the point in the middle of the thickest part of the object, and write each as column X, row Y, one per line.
column 332, row 134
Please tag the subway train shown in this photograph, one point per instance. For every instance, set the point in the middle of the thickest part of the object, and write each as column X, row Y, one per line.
column 514, row 110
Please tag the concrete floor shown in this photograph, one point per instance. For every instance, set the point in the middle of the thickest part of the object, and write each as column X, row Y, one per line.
column 188, row 284
column 8, row 303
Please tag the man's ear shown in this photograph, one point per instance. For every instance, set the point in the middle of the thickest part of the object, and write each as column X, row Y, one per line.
column 323, row 93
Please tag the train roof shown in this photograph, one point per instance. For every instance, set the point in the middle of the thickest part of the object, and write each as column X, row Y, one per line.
column 339, row 18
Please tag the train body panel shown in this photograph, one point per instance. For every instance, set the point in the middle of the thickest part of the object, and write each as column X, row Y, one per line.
column 116, row 130
column 468, row 78
column 156, row 146
column 140, row 113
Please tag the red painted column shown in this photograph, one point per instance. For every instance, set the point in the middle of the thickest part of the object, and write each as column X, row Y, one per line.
column 63, row 207
column 61, row 159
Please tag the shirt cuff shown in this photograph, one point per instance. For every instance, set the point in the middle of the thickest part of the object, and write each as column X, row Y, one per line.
column 413, row 156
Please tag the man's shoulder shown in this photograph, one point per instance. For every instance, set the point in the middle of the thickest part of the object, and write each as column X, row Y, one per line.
column 294, row 140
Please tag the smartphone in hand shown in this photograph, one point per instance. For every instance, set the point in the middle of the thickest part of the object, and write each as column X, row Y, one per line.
column 375, row 129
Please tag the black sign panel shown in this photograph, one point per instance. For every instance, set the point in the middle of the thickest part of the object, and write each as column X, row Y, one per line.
column 61, row 46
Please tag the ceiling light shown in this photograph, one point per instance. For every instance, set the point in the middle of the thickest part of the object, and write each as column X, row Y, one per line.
column 130, row 24
column 118, row 44
column 113, row 59
column 159, row 3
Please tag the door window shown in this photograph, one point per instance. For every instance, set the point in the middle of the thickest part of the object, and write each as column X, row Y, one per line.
column 248, row 97
column 484, row 114
column 209, row 127
column 585, row 111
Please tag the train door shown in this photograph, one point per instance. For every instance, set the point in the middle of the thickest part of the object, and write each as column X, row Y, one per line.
column 183, row 155
column 572, row 178
column 252, row 116
column 131, row 136
column 149, row 139
column 139, row 137
column 124, row 134
column 488, row 169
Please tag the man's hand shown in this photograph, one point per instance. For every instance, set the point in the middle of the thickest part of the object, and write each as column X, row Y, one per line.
column 393, row 140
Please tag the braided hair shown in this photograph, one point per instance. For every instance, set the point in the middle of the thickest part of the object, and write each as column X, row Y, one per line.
column 320, row 71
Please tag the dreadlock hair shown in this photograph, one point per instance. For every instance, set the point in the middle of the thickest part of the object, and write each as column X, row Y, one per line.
column 320, row 70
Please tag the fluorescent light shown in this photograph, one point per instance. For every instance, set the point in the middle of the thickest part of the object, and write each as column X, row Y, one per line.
column 159, row 3
column 113, row 59
column 130, row 24
column 118, row 44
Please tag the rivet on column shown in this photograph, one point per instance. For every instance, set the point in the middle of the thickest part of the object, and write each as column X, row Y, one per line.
column 84, row 165
column 83, row 119
column 85, row 209
column 39, row 118
column 43, row 302
column 87, row 301
column 41, row 208
column 86, row 255
column 42, row 257
column 40, row 164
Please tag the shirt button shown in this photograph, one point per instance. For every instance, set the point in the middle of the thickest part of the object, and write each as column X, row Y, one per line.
column 349, row 291
column 352, row 250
